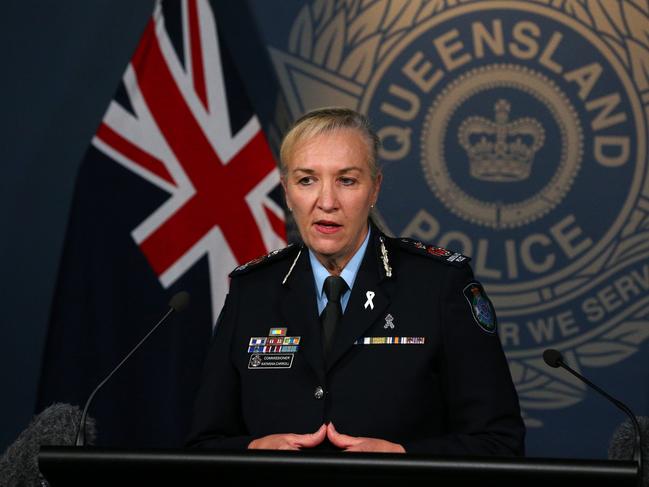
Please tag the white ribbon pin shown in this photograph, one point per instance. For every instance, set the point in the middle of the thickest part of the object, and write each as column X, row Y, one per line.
column 370, row 297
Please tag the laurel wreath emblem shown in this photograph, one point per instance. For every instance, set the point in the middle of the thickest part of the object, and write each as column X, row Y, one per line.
column 350, row 38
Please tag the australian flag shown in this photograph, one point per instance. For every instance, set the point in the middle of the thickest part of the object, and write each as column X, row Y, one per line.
column 177, row 188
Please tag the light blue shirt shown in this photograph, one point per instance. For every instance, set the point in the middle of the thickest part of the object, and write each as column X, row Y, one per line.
column 320, row 273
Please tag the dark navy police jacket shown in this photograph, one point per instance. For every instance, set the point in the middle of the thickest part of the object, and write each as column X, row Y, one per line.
column 414, row 365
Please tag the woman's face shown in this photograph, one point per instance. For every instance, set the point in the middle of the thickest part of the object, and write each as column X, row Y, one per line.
column 330, row 190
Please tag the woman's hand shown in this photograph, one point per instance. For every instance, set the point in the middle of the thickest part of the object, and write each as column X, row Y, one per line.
column 359, row 443
column 289, row 441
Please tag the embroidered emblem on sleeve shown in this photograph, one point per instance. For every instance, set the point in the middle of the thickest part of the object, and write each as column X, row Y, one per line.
column 482, row 310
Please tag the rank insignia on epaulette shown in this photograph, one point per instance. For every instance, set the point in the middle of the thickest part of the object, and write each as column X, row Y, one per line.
column 250, row 263
column 441, row 253
column 482, row 310
column 264, row 258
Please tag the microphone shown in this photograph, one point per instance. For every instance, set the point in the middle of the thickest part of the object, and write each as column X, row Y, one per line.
column 177, row 303
column 623, row 441
column 554, row 359
column 54, row 426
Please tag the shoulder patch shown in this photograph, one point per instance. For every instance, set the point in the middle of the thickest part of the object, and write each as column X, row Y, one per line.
column 482, row 310
column 273, row 256
column 439, row 253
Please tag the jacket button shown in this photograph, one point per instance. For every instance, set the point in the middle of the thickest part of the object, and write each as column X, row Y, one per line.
column 319, row 392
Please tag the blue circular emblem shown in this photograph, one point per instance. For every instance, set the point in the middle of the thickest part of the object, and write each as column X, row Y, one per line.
column 519, row 136
column 513, row 132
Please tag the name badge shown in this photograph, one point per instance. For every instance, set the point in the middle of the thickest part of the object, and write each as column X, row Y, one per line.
column 271, row 361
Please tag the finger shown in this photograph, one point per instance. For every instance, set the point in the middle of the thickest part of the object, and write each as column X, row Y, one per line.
column 288, row 446
column 331, row 430
column 376, row 445
column 365, row 445
column 338, row 439
column 287, row 442
column 310, row 440
column 272, row 442
column 354, row 448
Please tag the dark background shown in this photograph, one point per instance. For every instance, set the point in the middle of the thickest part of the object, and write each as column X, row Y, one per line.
column 62, row 63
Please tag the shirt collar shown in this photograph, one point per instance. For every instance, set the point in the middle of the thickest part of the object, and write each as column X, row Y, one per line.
column 320, row 273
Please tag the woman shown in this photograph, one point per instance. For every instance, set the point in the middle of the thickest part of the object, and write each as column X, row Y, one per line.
column 353, row 340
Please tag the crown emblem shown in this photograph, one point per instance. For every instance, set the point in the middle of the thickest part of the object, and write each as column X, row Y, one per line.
column 501, row 150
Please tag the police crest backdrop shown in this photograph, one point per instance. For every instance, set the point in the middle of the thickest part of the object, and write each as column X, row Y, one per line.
column 513, row 131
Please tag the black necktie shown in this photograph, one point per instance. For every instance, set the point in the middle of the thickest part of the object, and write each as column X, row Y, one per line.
column 334, row 288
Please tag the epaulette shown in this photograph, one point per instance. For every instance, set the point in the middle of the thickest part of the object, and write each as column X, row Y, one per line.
column 273, row 256
column 439, row 253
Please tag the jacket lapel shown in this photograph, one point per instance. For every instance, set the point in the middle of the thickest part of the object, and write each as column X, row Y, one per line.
column 358, row 317
column 299, row 308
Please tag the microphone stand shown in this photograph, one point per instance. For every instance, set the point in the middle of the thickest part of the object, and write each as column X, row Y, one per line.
column 81, row 432
column 555, row 359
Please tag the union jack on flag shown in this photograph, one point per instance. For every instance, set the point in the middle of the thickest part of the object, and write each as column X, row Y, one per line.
column 178, row 135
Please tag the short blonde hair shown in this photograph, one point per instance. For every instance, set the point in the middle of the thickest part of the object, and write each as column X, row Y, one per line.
column 330, row 119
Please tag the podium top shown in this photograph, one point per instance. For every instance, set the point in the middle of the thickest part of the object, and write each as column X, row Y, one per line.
column 70, row 466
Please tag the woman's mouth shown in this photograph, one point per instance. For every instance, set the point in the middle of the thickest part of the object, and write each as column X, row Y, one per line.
column 327, row 226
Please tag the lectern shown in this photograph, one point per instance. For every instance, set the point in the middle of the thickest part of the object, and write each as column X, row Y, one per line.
column 70, row 466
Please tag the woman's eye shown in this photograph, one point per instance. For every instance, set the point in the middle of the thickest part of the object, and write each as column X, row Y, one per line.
column 305, row 181
column 347, row 181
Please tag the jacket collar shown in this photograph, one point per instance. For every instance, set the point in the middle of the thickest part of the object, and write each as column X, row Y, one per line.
column 298, row 307
column 369, row 298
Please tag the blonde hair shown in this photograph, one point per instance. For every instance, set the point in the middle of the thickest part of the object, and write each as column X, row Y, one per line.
column 330, row 119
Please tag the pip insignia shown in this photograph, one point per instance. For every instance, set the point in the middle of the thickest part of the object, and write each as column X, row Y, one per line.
column 445, row 255
column 264, row 259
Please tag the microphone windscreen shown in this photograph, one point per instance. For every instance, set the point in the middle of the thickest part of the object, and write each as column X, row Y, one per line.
column 56, row 425
column 179, row 301
column 623, row 439
column 552, row 357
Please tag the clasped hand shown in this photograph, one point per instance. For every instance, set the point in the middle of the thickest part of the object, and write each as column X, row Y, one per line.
column 291, row 441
